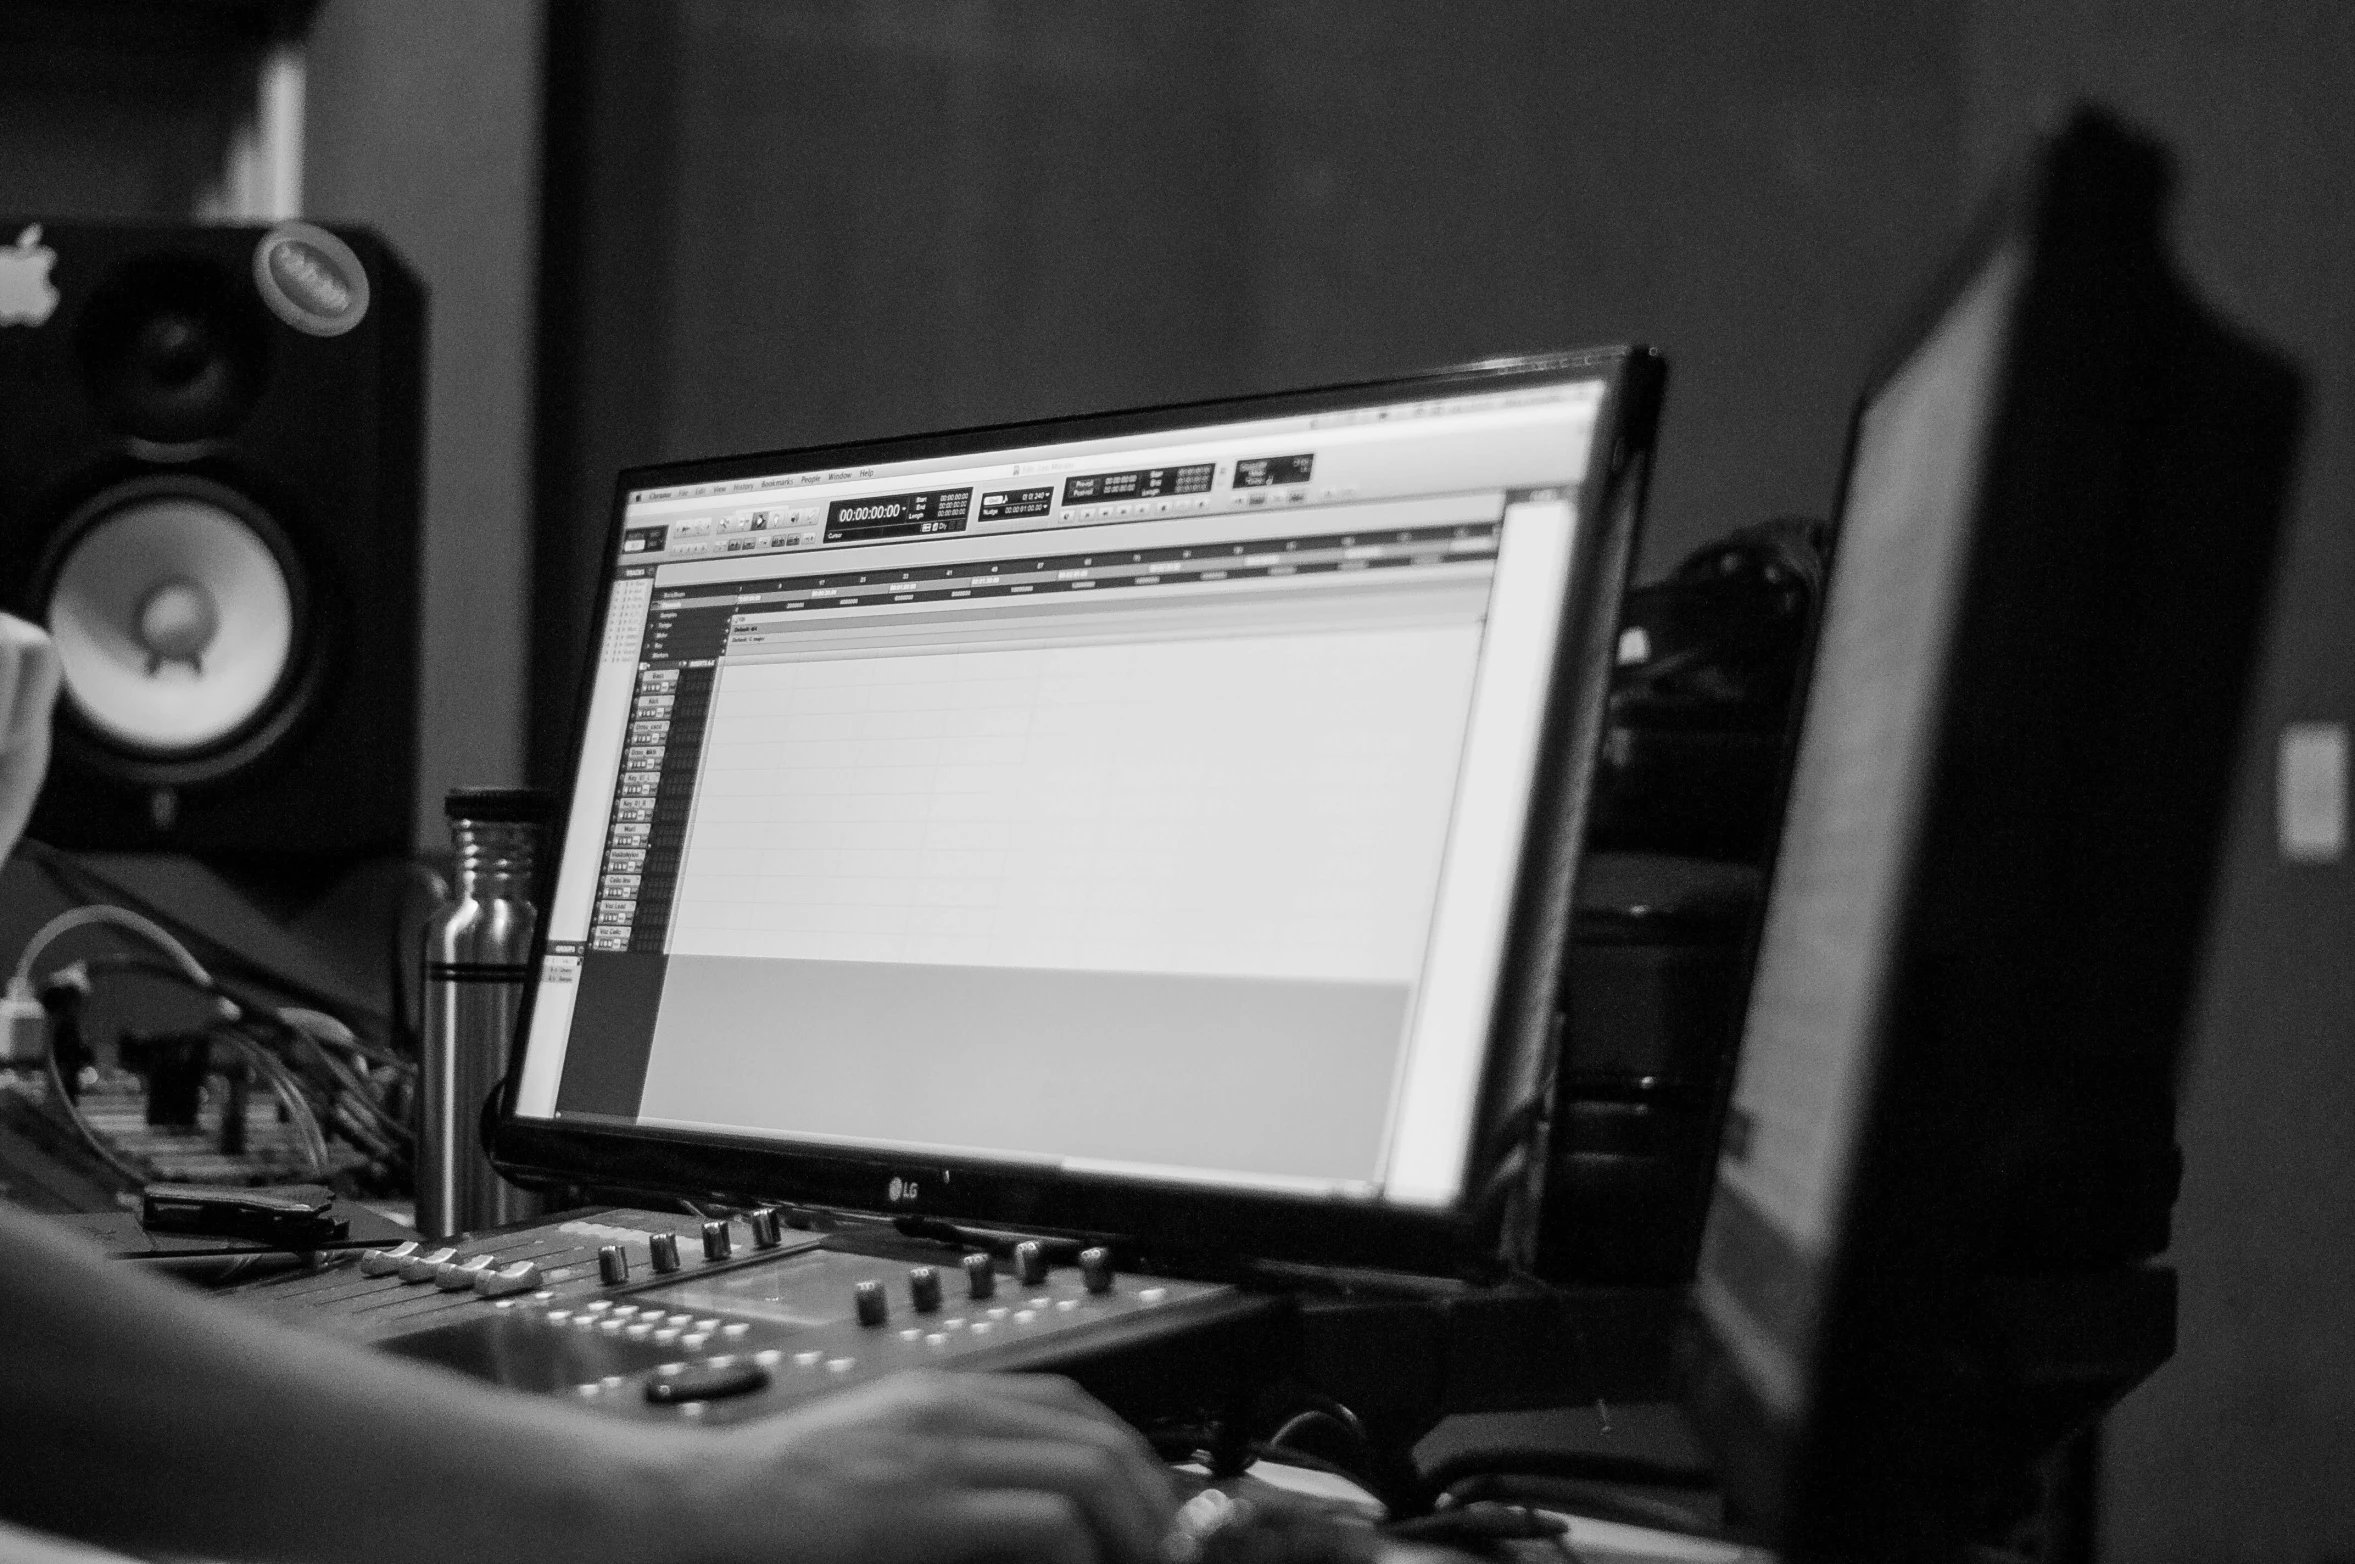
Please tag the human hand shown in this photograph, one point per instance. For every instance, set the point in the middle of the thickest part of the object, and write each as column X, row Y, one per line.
column 932, row 1467
column 28, row 693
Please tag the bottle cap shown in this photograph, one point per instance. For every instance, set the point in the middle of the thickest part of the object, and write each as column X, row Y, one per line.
column 520, row 805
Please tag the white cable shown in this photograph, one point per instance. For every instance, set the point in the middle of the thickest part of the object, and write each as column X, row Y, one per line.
column 119, row 917
column 319, row 1024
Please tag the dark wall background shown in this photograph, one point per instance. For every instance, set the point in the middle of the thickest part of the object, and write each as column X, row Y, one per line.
column 424, row 122
column 2244, row 1447
column 792, row 224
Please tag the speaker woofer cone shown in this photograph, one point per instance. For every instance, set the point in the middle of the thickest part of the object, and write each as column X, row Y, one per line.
column 179, row 610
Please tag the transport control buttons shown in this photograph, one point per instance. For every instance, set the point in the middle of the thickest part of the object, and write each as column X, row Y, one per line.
column 716, row 1241
column 419, row 1268
column 924, row 1289
column 613, row 1265
column 873, row 1304
column 766, row 1234
column 513, row 1277
column 665, row 1247
column 714, row 1381
column 1030, row 1262
column 981, row 1277
column 1095, row 1269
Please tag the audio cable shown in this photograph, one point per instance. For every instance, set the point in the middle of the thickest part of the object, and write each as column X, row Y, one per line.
column 299, row 1053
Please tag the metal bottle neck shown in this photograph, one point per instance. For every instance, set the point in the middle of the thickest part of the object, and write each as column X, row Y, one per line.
column 495, row 858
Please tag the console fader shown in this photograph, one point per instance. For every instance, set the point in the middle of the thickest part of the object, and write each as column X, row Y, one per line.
column 649, row 1315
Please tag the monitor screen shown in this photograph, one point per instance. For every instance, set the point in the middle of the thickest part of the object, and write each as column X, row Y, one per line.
column 1850, row 827
column 1146, row 803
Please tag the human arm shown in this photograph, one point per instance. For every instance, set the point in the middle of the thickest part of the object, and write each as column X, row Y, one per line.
column 143, row 1415
column 137, row 1413
column 28, row 692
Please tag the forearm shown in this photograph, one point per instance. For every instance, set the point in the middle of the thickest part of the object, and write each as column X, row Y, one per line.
column 143, row 1415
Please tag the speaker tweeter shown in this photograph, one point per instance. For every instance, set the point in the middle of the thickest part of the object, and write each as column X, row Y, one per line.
column 174, row 350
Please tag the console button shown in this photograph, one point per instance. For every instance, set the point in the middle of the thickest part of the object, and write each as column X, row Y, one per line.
column 666, row 1252
column 706, row 1382
column 716, row 1240
column 924, row 1289
column 613, row 1265
column 874, row 1306
column 981, row 1277
column 1095, row 1268
column 1030, row 1262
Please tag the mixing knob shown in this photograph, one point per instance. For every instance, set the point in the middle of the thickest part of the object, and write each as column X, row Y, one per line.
column 1030, row 1262
column 716, row 1241
column 666, row 1252
column 874, row 1305
column 981, row 1278
column 1095, row 1269
column 613, row 1264
column 924, row 1289
column 766, row 1233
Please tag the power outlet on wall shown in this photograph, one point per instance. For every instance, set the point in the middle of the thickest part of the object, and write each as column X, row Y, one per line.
column 2310, row 792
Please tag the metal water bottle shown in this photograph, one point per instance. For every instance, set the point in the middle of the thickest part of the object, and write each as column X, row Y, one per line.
column 477, row 950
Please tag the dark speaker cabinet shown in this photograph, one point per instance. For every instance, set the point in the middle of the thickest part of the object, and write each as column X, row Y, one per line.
column 210, row 442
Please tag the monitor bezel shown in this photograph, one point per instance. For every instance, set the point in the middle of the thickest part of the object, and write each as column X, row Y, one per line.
column 1495, row 1219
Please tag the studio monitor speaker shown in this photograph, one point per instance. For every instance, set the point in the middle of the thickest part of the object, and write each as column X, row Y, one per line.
column 209, row 467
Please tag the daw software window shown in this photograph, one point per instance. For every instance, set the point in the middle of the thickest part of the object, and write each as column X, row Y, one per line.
column 1146, row 807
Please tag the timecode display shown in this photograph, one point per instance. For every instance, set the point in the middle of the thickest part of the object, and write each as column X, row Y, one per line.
column 898, row 515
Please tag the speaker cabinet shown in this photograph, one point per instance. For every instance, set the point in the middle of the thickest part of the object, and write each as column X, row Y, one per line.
column 209, row 466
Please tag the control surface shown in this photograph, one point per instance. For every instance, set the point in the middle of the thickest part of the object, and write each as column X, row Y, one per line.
column 749, row 1319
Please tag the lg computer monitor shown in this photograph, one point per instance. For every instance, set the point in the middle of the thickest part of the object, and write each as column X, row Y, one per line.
column 1984, row 925
column 1157, row 825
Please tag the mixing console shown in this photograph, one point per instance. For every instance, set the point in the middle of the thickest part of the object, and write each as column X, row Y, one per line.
column 650, row 1315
